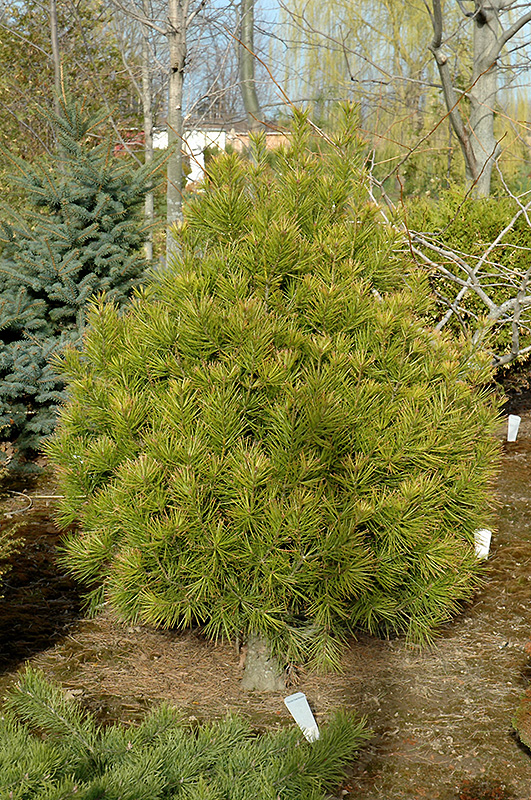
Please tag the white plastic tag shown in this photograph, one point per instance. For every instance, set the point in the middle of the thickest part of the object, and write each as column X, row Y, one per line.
column 482, row 542
column 512, row 427
column 301, row 712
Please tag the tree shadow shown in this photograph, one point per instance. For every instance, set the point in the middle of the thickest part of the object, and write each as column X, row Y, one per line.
column 39, row 600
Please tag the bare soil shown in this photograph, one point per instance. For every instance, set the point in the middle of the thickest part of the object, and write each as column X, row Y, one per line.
column 441, row 716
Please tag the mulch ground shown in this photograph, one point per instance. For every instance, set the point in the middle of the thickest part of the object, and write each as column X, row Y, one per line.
column 441, row 716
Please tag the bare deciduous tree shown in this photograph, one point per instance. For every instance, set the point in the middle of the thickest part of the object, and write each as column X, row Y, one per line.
column 476, row 137
column 179, row 16
column 247, row 64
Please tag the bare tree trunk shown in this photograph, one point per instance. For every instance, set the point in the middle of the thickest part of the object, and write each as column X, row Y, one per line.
column 478, row 143
column 147, row 109
column 56, row 54
column 174, row 29
column 247, row 65
column 451, row 98
column 262, row 671
column 483, row 94
column 177, row 46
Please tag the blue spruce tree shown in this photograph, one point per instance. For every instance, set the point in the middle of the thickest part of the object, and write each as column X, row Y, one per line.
column 80, row 234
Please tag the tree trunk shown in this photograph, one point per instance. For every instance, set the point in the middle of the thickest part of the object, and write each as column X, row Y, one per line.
column 262, row 671
column 147, row 109
column 478, row 144
column 247, row 65
column 177, row 47
column 483, row 95
column 56, row 55
column 451, row 98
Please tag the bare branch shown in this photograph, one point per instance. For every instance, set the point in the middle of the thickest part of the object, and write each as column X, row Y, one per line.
column 190, row 17
column 29, row 128
column 26, row 41
column 134, row 13
column 510, row 32
column 451, row 99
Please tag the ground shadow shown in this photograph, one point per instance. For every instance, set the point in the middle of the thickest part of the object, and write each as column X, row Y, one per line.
column 40, row 601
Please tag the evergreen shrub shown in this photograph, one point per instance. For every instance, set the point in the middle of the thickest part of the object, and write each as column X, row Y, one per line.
column 80, row 234
column 468, row 226
column 271, row 440
column 50, row 748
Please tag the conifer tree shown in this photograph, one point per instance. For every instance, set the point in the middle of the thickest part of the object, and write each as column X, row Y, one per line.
column 80, row 234
column 50, row 748
column 271, row 441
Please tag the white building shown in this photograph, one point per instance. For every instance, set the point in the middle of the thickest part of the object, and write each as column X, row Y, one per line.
column 196, row 141
column 194, row 145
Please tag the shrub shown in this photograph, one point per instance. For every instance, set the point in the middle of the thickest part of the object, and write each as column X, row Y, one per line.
column 468, row 227
column 50, row 748
column 80, row 234
column 270, row 441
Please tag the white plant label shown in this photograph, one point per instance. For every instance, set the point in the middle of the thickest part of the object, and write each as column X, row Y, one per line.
column 301, row 712
column 512, row 427
column 482, row 542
